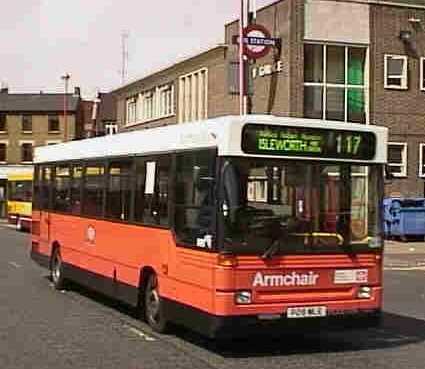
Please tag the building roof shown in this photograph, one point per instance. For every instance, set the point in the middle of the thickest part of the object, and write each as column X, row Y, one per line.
column 406, row 3
column 36, row 102
column 401, row 2
column 169, row 66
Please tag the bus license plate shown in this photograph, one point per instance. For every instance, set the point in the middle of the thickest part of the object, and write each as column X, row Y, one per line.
column 306, row 312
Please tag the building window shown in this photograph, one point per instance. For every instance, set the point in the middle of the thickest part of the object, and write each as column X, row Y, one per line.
column 165, row 101
column 147, row 106
column 131, row 110
column 335, row 82
column 3, row 152
column 395, row 69
column 111, row 128
column 422, row 74
column 397, row 158
column 26, row 123
column 26, row 152
column 3, row 123
column 193, row 96
column 53, row 123
column 53, row 142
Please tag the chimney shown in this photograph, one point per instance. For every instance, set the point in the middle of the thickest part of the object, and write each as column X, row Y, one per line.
column 77, row 91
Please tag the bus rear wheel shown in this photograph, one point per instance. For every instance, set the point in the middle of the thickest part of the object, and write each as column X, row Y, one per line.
column 153, row 306
column 56, row 270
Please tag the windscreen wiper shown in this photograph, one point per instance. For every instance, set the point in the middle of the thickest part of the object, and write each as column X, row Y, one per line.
column 271, row 250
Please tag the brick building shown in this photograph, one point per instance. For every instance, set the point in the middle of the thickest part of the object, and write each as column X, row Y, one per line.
column 105, row 114
column 356, row 61
column 29, row 120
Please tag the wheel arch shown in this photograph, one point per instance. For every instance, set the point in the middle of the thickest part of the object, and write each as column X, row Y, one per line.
column 55, row 246
column 145, row 272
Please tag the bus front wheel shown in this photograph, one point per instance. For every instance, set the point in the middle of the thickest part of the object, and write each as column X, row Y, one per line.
column 19, row 227
column 56, row 270
column 154, row 309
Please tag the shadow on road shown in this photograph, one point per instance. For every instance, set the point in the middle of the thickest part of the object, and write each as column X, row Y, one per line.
column 396, row 330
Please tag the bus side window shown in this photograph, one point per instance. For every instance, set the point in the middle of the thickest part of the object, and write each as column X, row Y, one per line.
column 139, row 204
column 151, row 198
column 93, row 189
column 194, row 198
column 36, row 188
column 162, row 189
column 118, row 195
column 76, row 183
column 61, row 189
column 45, row 187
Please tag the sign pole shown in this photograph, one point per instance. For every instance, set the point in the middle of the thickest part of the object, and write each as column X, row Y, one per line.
column 242, row 105
column 251, row 17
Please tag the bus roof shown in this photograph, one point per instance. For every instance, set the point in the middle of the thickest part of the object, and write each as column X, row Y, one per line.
column 224, row 133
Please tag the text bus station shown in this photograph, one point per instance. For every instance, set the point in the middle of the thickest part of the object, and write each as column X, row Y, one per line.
column 221, row 224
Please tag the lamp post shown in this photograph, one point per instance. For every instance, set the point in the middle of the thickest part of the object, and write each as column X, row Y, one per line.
column 65, row 78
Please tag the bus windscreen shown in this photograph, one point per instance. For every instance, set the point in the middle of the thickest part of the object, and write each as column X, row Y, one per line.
column 308, row 142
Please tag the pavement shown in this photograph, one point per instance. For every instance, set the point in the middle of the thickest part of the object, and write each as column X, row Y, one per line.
column 404, row 255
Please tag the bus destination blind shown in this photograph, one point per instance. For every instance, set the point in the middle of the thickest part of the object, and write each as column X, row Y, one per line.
column 308, row 142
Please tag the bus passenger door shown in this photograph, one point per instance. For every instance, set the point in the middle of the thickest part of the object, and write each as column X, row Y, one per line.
column 44, row 224
column 43, row 199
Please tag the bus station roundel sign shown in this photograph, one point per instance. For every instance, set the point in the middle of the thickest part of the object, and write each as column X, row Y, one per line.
column 257, row 46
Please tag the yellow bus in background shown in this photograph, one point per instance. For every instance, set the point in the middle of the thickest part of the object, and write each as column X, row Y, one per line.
column 19, row 200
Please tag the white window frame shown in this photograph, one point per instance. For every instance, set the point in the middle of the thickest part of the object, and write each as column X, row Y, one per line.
column 421, row 73
column 111, row 128
column 403, row 165
column 188, row 110
column 131, row 111
column 346, row 86
column 21, row 143
column 165, row 106
column 402, row 77
column 149, row 103
column 421, row 161
column 22, row 124
column 5, row 142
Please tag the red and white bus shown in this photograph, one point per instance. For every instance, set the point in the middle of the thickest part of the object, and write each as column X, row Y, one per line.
column 220, row 224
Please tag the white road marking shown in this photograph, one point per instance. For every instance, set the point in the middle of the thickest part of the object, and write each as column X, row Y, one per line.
column 16, row 265
column 421, row 268
column 6, row 225
column 141, row 334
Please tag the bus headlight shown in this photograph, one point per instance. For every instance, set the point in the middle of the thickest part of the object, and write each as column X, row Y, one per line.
column 364, row 292
column 243, row 297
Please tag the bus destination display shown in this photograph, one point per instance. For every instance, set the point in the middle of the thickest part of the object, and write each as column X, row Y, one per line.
column 310, row 142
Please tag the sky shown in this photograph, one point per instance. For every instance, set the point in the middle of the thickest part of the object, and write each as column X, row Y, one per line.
column 41, row 40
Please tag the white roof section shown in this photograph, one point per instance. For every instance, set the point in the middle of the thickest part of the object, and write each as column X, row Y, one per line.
column 224, row 133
